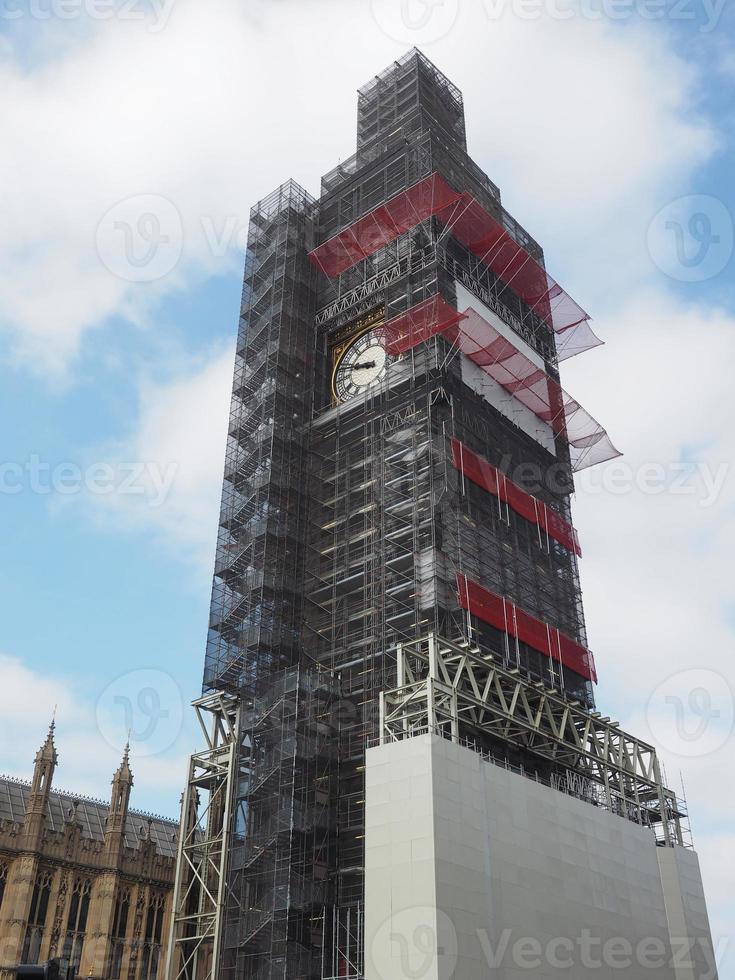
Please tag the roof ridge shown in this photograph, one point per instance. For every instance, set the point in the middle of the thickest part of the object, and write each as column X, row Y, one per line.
column 14, row 779
column 83, row 797
column 155, row 816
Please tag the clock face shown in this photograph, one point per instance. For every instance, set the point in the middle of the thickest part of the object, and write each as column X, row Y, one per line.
column 362, row 364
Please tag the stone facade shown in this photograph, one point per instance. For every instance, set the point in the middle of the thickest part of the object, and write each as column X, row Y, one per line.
column 83, row 880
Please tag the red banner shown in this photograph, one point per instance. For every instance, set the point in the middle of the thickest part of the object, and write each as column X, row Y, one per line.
column 508, row 366
column 405, row 331
column 484, row 474
column 383, row 225
column 482, row 233
column 504, row 615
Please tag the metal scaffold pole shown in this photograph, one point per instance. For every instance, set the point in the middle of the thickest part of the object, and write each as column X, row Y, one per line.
column 203, row 845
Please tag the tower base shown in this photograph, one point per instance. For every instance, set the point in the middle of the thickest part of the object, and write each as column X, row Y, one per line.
column 475, row 870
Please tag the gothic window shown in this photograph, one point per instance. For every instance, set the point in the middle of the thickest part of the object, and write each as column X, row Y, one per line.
column 3, row 880
column 76, row 922
column 152, row 938
column 119, row 933
column 37, row 917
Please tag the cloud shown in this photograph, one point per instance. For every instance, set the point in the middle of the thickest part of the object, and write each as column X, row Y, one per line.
column 155, row 136
column 657, row 529
column 90, row 734
column 166, row 475
column 21, row 686
column 658, row 538
column 717, row 858
column 588, row 128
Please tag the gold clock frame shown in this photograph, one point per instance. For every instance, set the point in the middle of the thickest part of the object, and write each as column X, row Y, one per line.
column 346, row 337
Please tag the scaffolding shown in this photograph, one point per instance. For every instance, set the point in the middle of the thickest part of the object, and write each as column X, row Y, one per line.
column 483, row 234
column 280, row 850
column 460, row 691
column 371, row 584
column 411, row 87
column 204, row 843
column 392, row 524
column 508, row 367
column 345, row 528
column 255, row 609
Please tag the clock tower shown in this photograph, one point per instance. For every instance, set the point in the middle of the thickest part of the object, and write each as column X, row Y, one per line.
column 396, row 560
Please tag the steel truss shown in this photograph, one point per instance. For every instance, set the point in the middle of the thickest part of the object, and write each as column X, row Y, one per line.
column 454, row 689
column 364, row 294
column 201, row 865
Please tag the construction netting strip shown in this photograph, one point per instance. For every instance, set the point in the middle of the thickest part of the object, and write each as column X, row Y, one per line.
column 485, row 475
column 403, row 332
column 384, row 224
column 484, row 235
column 588, row 442
column 501, row 360
column 504, row 615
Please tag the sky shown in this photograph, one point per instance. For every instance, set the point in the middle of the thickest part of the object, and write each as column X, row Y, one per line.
column 136, row 137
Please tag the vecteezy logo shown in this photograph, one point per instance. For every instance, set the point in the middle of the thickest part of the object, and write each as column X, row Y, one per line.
column 140, row 239
column 415, row 21
column 422, row 939
column 144, row 707
column 691, row 713
column 691, row 239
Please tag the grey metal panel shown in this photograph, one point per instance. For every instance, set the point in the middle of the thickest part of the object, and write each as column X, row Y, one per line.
column 469, row 859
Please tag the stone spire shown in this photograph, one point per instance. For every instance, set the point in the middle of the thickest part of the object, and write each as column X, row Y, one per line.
column 44, row 766
column 122, row 782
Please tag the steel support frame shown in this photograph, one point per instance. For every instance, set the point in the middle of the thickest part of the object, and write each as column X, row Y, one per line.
column 446, row 687
column 203, row 845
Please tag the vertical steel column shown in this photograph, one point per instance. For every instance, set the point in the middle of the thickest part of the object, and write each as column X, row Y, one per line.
column 201, row 865
column 663, row 802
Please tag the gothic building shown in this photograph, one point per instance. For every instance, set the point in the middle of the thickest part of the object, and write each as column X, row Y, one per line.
column 86, row 881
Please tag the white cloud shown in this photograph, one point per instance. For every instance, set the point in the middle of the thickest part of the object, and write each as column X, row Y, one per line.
column 656, row 566
column 717, row 858
column 20, row 687
column 168, row 472
column 574, row 117
column 588, row 129
column 656, row 570
column 88, row 739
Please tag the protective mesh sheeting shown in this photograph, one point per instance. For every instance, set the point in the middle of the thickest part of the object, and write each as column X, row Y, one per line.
column 490, row 242
column 485, row 475
column 482, row 234
column 384, row 224
column 432, row 316
column 588, row 442
column 504, row 615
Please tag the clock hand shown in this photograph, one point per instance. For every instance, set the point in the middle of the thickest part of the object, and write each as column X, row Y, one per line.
column 360, row 367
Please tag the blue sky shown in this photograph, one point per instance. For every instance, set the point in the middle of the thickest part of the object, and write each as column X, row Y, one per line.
column 603, row 132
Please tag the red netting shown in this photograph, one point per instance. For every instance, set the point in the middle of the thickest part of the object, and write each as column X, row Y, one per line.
column 588, row 442
column 384, row 224
column 485, row 475
column 504, row 615
column 490, row 242
column 421, row 322
column 482, row 234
